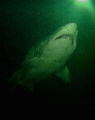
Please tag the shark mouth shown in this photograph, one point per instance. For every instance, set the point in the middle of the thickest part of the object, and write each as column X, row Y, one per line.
column 65, row 35
column 71, row 36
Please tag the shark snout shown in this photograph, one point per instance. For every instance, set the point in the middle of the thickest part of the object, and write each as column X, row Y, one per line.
column 71, row 28
column 72, row 25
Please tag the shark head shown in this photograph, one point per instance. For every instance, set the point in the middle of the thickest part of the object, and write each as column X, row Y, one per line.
column 62, row 43
column 67, row 31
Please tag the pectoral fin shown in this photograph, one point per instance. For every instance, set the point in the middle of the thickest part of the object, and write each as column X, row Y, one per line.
column 64, row 74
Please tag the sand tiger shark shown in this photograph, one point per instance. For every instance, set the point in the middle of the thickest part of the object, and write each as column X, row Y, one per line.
column 48, row 57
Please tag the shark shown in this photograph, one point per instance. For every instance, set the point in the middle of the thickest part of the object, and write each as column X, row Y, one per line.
column 48, row 57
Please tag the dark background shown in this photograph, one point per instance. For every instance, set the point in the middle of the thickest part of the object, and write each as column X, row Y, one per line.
column 23, row 23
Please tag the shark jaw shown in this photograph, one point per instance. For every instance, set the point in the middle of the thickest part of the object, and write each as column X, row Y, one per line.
column 68, row 30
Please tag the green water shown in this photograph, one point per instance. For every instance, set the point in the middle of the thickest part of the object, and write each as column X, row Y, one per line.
column 25, row 23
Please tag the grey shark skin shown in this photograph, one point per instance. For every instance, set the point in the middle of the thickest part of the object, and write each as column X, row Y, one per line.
column 48, row 57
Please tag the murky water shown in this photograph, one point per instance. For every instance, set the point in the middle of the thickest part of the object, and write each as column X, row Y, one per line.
column 25, row 23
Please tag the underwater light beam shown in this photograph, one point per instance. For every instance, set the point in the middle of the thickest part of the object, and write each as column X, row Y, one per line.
column 82, row 0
